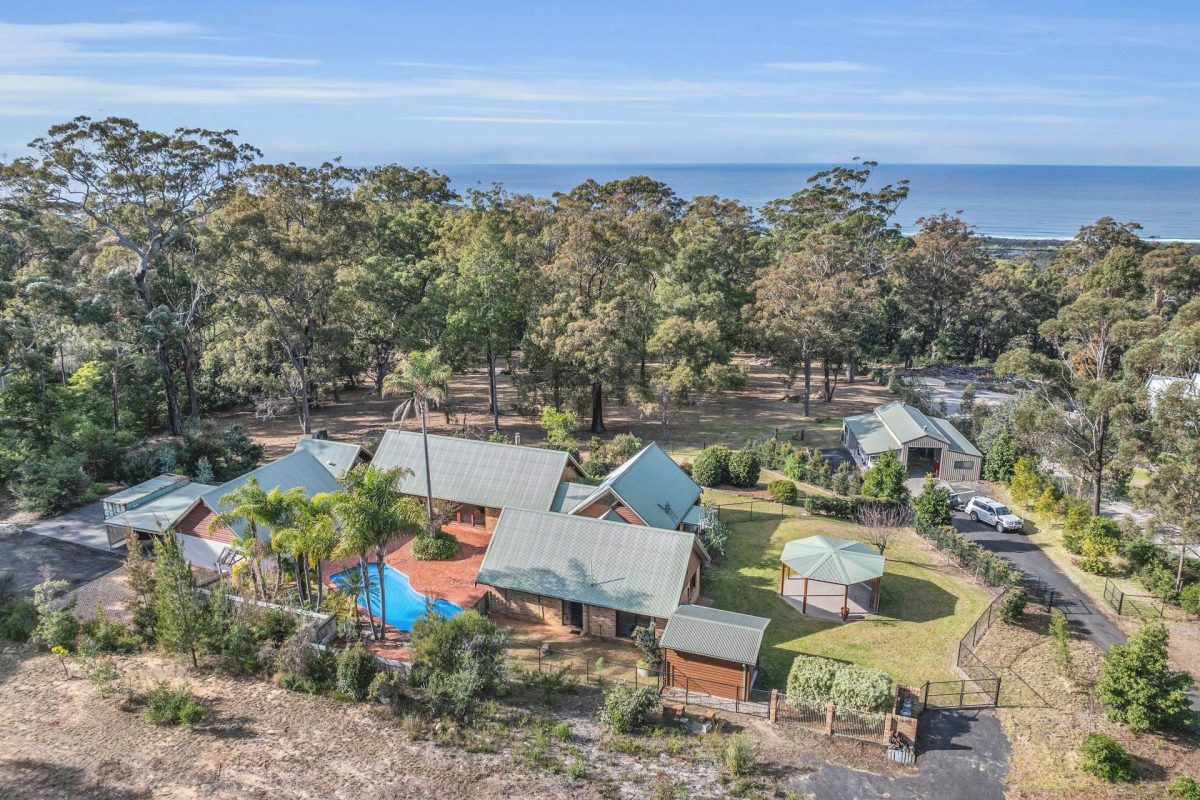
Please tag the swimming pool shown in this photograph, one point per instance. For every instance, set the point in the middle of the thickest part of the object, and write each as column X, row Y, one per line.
column 405, row 605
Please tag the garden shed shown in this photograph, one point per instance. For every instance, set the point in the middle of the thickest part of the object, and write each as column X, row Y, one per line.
column 832, row 576
column 711, row 651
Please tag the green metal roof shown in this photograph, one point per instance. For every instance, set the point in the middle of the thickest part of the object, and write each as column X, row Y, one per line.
column 611, row 564
column 715, row 633
column 145, row 490
column 832, row 560
column 162, row 512
column 337, row 457
column 476, row 472
column 653, row 485
column 298, row 468
column 893, row 424
column 570, row 495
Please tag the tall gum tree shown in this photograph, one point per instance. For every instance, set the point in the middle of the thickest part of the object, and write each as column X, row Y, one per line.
column 147, row 189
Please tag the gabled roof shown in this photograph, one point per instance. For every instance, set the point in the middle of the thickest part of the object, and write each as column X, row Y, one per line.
column 832, row 559
column 162, row 512
column 570, row 495
column 298, row 468
column 892, row 425
column 611, row 564
column 715, row 633
column 477, row 472
column 337, row 457
column 651, row 484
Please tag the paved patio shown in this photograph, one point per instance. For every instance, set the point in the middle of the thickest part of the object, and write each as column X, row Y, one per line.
column 825, row 599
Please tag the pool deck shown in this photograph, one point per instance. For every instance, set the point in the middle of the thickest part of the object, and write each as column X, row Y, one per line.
column 452, row 580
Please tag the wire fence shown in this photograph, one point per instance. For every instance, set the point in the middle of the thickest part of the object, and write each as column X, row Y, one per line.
column 578, row 668
column 1146, row 606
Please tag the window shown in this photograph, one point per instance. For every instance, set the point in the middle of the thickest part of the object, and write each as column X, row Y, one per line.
column 962, row 465
column 626, row 622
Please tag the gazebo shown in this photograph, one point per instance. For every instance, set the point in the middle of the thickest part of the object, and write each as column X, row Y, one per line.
column 826, row 560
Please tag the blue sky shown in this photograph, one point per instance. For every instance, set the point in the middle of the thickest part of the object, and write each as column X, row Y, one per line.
column 647, row 82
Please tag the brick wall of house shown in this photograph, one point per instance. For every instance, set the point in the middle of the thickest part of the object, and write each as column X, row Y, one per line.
column 600, row 621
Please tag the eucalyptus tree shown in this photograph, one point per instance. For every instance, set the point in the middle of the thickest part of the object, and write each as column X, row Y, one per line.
column 488, row 284
column 372, row 512
column 423, row 377
column 609, row 243
column 284, row 239
column 145, row 188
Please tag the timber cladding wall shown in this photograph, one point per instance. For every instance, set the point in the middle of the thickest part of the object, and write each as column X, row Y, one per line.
column 703, row 674
column 202, row 522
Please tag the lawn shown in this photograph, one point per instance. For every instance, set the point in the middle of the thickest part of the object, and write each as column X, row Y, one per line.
column 925, row 605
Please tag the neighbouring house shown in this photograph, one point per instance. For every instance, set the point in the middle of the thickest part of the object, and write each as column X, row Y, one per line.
column 922, row 443
column 150, row 507
column 479, row 477
column 711, row 651
column 593, row 576
column 204, row 539
column 1159, row 385
column 337, row 457
column 648, row 489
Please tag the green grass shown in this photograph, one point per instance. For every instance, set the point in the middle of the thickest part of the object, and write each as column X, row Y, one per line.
column 924, row 607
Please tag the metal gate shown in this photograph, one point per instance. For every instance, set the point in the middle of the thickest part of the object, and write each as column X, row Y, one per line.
column 972, row 693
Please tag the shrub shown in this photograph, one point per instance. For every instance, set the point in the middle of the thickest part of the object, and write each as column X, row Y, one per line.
column 1106, row 759
column 167, row 705
column 1060, row 637
column 1001, row 458
column 711, row 467
column 647, row 644
column 714, row 532
column 1189, row 598
column 1184, row 788
column 817, row 680
column 773, row 453
column 18, row 615
column 459, row 661
column 743, row 468
column 625, row 709
column 846, row 479
column 886, row 478
column 1026, row 482
column 1138, row 688
column 1012, row 607
column 739, row 755
column 51, row 482
column 356, row 670
column 784, row 491
column 623, row 447
column 102, row 636
column 930, row 508
column 306, row 668
column 55, row 628
column 438, row 547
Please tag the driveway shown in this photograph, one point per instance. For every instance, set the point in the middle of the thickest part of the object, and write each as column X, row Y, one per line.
column 963, row 756
column 1026, row 556
column 84, row 525
column 26, row 556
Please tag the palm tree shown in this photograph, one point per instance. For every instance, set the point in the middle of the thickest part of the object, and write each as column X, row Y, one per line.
column 310, row 535
column 248, row 504
column 423, row 377
column 372, row 511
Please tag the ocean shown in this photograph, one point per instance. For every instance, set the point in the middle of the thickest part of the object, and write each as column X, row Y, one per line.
column 1009, row 201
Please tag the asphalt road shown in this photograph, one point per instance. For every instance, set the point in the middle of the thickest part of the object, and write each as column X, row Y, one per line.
column 1031, row 560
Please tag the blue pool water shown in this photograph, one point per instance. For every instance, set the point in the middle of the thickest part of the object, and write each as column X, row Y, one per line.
column 405, row 605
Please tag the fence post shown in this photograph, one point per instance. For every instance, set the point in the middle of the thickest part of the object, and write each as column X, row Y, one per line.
column 996, row 699
column 587, row 678
column 539, row 652
column 925, row 694
column 829, row 718
column 962, row 690
column 773, row 708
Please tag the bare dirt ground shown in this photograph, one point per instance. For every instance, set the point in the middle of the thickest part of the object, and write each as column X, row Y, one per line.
column 756, row 410
column 59, row 738
column 1046, row 717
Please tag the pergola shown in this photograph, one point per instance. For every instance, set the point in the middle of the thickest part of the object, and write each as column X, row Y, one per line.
column 830, row 559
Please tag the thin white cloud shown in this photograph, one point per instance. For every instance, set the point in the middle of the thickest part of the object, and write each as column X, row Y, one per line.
column 821, row 66
column 533, row 120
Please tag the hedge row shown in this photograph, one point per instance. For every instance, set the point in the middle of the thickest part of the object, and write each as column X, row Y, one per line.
column 817, row 680
column 987, row 566
column 843, row 507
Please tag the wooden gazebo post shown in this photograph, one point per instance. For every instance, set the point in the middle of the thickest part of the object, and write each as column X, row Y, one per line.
column 845, row 601
column 875, row 594
column 804, row 602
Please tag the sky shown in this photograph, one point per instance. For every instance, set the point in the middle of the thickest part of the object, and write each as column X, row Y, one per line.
column 644, row 82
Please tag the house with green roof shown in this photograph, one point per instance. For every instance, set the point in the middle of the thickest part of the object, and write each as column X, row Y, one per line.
column 479, row 477
column 337, row 457
column 711, row 651
column 205, row 538
column 649, row 489
column 921, row 442
column 594, row 576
